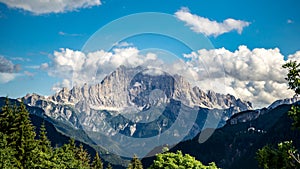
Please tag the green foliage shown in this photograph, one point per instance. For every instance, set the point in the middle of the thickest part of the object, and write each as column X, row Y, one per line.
column 178, row 160
column 97, row 163
column 44, row 142
column 18, row 135
column 293, row 76
column 7, row 153
column 25, row 144
column 7, row 160
column 64, row 157
column 294, row 113
column 278, row 158
column 45, row 153
column 135, row 163
column 71, row 157
column 8, row 121
column 109, row 166
column 82, row 155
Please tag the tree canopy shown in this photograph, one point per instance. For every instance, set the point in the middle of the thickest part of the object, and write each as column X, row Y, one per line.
column 171, row 160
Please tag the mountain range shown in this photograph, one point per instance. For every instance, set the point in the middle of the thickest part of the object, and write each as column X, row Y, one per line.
column 135, row 88
column 139, row 103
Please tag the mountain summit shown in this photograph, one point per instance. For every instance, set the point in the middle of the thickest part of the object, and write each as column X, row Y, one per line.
column 137, row 86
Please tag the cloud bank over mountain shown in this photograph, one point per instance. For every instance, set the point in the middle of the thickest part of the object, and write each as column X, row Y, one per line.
column 77, row 68
column 255, row 75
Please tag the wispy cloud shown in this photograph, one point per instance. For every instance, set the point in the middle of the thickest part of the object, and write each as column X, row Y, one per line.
column 33, row 67
column 54, row 6
column 7, row 77
column 2, row 15
column 8, row 70
column 21, row 59
column 122, row 44
column 68, row 34
column 209, row 27
column 29, row 74
column 6, row 66
column 289, row 21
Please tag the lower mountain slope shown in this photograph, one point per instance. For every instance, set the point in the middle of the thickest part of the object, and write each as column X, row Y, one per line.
column 234, row 146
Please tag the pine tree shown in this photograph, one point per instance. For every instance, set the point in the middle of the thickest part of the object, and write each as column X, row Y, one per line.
column 8, row 120
column 135, row 163
column 44, row 151
column 109, row 166
column 44, row 142
column 70, row 156
column 25, row 144
column 6, row 115
column 64, row 157
column 19, row 132
column 83, row 156
column 72, row 145
column 97, row 163
column 7, row 159
column 19, row 149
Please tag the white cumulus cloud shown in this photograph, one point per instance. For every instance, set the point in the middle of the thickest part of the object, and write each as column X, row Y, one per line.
column 295, row 56
column 47, row 6
column 209, row 27
column 254, row 75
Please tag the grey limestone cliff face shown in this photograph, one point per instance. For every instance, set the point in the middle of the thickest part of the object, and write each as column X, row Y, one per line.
column 129, row 90
column 110, row 92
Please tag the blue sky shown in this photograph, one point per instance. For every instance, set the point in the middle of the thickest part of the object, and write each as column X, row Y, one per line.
column 30, row 36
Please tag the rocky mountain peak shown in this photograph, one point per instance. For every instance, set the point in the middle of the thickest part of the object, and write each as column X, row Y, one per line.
column 127, row 86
